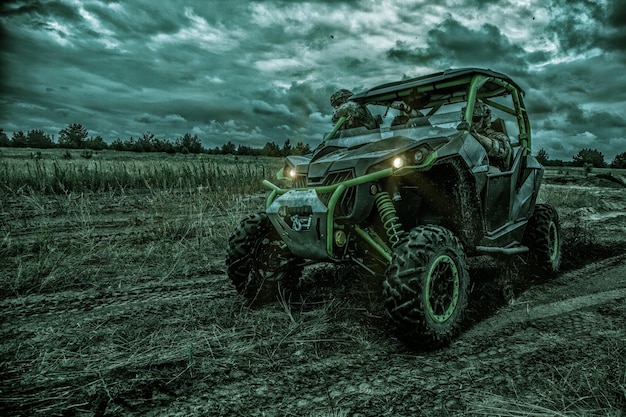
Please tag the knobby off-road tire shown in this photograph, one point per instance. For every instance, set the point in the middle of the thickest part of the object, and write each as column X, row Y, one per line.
column 426, row 288
column 543, row 239
column 258, row 262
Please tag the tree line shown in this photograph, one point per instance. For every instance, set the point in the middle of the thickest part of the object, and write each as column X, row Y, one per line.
column 76, row 136
column 586, row 157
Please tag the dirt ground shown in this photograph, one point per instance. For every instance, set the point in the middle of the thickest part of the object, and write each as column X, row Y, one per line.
column 133, row 315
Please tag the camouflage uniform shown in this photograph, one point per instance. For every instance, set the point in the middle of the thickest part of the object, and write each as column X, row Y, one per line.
column 356, row 115
column 497, row 144
column 500, row 146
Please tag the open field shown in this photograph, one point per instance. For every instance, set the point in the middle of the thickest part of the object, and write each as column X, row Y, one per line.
column 114, row 302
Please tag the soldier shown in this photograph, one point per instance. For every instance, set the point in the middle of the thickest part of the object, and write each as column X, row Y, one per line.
column 497, row 144
column 406, row 115
column 356, row 115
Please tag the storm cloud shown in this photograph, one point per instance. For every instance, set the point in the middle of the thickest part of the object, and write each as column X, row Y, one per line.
column 251, row 72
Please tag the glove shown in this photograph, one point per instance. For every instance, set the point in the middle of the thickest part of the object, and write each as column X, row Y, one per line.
column 401, row 105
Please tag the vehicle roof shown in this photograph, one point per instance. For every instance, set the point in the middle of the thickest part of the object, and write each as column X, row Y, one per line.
column 448, row 79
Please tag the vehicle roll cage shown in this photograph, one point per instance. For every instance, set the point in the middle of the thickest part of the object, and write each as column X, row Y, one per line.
column 456, row 86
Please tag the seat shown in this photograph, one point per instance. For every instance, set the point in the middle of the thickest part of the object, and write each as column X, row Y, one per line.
column 499, row 126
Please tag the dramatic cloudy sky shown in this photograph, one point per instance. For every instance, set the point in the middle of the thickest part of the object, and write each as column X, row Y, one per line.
column 258, row 71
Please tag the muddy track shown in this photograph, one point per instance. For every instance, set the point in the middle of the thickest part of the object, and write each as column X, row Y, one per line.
column 378, row 378
column 73, row 321
column 68, row 302
column 141, row 351
column 604, row 282
column 25, row 222
column 451, row 381
column 64, row 231
column 518, row 346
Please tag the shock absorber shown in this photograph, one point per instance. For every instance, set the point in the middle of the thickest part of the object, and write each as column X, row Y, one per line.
column 389, row 218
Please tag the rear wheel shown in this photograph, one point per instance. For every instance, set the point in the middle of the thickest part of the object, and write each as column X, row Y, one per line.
column 426, row 289
column 543, row 239
column 259, row 263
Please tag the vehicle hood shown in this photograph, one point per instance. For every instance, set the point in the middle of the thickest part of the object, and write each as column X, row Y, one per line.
column 361, row 152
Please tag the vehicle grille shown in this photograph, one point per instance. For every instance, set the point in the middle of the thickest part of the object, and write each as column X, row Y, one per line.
column 345, row 204
column 300, row 181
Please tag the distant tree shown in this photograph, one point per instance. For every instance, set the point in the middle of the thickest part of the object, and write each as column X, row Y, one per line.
column 73, row 136
column 228, row 148
column 287, row 148
column 619, row 161
column 247, row 150
column 4, row 139
column 192, row 143
column 118, row 145
column 589, row 156
column 144, row 143
column 542, row 157
column 19, row 140
column 557, row 163
column 39, row 139
column 271, row 149
column 95, row 143
column 129, row 144
column 301, row 149
column 243, row 150
column 163, row 145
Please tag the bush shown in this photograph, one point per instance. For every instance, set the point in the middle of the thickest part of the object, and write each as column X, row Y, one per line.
column 619, row 161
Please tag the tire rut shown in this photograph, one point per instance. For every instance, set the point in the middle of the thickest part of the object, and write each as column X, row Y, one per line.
column 39, row 305
column 497, row 352
column 530, row 311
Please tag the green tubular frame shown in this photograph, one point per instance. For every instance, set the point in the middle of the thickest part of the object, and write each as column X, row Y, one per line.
column 335, row 128
column 519, row 111
column 339, row 188
column 379, row 245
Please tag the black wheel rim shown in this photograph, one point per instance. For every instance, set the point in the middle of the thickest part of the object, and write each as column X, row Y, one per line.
column 442, row 288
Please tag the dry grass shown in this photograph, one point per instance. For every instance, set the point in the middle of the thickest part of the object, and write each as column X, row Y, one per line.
column 71, row 223
column 119, row 171
column 152, row 320
column 193, row 340
column 77, row 243
column 568, row 198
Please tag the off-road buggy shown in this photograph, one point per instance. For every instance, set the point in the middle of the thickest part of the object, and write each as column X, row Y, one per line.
column 411, row 199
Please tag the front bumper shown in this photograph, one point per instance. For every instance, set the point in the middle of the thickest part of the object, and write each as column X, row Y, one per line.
column 301, row 219
column 307, row 225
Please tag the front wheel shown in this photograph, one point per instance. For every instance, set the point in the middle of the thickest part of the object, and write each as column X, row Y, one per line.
column 543, row 239
column 426, row 288
column 259, row 262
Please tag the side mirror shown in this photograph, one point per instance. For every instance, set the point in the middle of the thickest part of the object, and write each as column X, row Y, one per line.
column 463, row 126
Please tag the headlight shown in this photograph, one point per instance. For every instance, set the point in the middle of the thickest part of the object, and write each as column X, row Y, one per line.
column 415, row 157
column 292, row 173
column 419, row 156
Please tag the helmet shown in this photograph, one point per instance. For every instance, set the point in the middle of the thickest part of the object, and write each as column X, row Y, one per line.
column 481, row 115
column 339, row 97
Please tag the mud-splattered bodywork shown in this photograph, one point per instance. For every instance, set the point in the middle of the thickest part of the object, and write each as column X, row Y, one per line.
column 429, row 170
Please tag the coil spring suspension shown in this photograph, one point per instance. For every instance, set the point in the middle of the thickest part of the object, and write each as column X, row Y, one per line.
column 389, row 218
